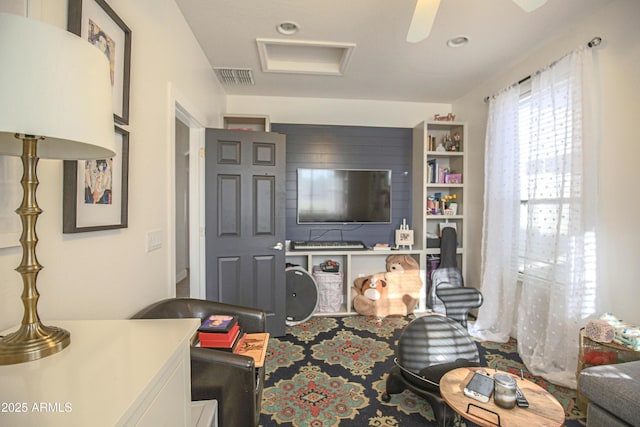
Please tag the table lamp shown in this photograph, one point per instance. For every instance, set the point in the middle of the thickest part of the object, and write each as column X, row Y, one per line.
column 55, row 103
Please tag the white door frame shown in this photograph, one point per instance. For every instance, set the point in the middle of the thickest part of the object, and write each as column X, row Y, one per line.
column 181, row 109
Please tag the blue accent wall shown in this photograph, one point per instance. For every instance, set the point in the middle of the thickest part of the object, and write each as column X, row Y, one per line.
column 348, row 147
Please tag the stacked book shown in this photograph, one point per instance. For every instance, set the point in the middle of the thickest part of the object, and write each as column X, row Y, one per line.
column 223, row 332
column 220, row 331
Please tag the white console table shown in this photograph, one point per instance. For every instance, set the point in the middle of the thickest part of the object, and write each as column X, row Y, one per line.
column 114, row 373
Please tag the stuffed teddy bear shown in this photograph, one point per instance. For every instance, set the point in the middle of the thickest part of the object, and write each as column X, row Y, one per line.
column 395, row 292
column 370, row 293
column 409, row 279
column 402, row 263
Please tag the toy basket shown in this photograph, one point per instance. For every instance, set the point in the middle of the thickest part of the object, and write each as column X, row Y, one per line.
column 330, row 287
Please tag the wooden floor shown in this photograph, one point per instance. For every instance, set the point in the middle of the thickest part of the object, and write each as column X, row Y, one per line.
column 182, row 288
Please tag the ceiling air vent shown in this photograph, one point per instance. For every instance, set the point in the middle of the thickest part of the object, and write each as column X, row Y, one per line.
column 235, row 76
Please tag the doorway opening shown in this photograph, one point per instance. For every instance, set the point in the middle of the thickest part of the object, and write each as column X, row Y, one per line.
column 182, row 209
column 186, row 181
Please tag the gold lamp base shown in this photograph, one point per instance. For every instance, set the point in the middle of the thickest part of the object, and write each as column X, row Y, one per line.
column 32, row 342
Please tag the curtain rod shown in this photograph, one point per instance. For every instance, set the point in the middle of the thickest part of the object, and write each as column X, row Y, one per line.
column 592, row 43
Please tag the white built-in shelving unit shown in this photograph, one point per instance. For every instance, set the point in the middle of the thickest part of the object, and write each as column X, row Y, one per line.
column 429, row 183
column 355, row 264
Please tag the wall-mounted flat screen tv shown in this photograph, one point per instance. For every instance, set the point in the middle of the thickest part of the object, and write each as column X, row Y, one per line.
column 344, row 196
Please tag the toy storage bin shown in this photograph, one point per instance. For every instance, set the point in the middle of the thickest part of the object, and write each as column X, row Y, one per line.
column 330, row 290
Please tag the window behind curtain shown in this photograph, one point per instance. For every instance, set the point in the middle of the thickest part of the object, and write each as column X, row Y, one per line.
column 524, row 112
column 546, row 161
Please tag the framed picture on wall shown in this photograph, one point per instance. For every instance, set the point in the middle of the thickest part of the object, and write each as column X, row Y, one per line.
column 96, row 192
column 404, row 237
column 96, row 22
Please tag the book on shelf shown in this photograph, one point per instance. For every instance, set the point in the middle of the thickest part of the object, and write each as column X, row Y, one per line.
column 431, row 143
column 254, row 345
column 441, row 175
column 432, row 166
column 218, row 323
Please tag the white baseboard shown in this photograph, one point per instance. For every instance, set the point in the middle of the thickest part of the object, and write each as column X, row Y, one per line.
column 204, row 413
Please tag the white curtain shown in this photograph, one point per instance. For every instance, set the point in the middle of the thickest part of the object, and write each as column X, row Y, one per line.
column 500, row 221
column 559, row 188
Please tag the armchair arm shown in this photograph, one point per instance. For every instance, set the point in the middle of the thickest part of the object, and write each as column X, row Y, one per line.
column 232, row 380
column 250, row 319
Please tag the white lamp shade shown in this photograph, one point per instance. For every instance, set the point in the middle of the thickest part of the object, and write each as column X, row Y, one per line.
column 54, row 85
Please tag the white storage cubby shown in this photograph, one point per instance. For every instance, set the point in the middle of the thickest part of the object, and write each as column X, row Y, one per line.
column 354, row 264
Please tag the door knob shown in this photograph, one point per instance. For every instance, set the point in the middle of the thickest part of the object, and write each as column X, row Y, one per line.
column 278, row 246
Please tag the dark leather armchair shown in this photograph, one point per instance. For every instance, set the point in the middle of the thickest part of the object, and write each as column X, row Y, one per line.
column 231, row 379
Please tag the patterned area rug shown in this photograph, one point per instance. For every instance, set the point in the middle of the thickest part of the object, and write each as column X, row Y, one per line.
column 329, row 372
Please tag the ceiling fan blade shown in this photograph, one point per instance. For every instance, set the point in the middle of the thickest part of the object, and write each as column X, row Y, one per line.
column 422, row 21
column 529, row 5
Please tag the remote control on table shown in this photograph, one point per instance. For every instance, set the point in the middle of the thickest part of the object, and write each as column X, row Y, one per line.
column 521, row 401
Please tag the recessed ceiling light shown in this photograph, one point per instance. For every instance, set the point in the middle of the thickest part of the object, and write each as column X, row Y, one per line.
column 287, row 28
column 458, row 41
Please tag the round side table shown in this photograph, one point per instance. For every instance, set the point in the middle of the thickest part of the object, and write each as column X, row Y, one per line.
column 543, row 411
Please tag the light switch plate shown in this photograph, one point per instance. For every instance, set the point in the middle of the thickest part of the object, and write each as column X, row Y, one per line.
column 154, row 240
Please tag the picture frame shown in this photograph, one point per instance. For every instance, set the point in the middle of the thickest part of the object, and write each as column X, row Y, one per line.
column 96, row 22
column 96, row 192
column 404, row 237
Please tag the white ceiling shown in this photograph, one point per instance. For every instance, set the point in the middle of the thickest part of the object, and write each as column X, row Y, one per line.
column 383, row 65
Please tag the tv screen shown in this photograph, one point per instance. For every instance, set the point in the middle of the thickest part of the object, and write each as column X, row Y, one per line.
column 344, row 196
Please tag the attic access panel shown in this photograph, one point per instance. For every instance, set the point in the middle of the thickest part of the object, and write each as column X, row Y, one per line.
column 304, row 57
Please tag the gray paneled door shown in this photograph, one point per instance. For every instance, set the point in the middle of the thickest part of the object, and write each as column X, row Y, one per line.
column 245, row 221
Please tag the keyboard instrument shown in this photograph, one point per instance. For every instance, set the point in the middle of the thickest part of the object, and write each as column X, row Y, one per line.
column 327, row 245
